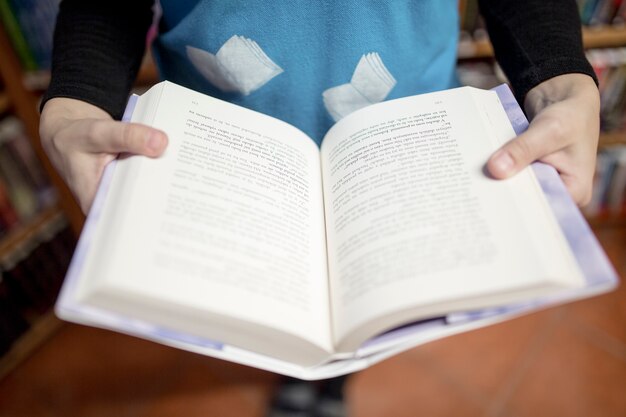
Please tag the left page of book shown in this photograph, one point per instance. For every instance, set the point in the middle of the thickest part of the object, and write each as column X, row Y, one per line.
column 221, row 237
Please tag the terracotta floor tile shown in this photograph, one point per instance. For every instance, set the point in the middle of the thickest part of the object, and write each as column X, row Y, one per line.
column 571, row 377
column 407, row 386
column 518, row 368
column 484, row 359
column 613, row 240
column 607, row 312
column 83, row 371
column 208, row 387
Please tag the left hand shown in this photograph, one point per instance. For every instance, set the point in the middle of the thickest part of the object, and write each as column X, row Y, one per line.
column 564, row 114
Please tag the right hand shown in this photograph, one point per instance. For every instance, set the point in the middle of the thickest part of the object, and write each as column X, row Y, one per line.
column 81, row 139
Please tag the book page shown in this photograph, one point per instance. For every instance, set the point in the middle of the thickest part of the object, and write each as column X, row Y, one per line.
column 229, row 221
column 415, row 226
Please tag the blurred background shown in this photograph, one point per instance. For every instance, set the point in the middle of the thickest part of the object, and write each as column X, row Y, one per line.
column 568, row 360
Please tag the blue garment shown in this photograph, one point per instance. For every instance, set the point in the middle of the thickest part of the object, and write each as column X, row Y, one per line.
column 307, row 62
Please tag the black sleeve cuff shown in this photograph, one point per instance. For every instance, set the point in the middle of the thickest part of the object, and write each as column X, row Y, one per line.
column 535, row 41
column 98, row 47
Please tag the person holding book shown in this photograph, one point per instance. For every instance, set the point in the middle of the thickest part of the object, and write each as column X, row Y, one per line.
column 312, row 64
column 98, row 51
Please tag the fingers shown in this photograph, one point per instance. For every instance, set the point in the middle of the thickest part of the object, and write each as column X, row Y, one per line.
column 576, row 170
column 81, row 139
column 543, row 137
column 548, row 140
column 578, row 187
column 105, row 136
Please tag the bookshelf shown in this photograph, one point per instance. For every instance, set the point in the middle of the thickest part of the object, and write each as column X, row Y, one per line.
column 595, row 37
column 33, row 234
column 478, row 49
column 612, row 138
column 43, row 329
column 25, row 106
column 5, row 103
column 28, row 234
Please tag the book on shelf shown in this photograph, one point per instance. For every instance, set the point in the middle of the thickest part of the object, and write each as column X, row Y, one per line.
column 32, row 274
column 609, row 191
column 30, row 27
column 601, row 12
column 24, row 187
column 22, row 196
column 602, row 22
column 12, row 27
column 13, row 136
column 8, row 216
column 615, row 193
column 609, row 65
column 247, row 242
column 12, row 323
column 36, row 19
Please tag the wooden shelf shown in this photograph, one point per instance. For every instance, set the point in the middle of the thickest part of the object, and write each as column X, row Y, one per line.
column 36, row 81
column 612, row 138
column 148, row 74
column 5, row 102
column 471, row 49
column 604, row 36
column 593, row 37
column 50, row 220
column 25, row 106
column 40, row 331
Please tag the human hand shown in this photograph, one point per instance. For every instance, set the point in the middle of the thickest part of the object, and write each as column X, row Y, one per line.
column 81, row 139
column 564, row 114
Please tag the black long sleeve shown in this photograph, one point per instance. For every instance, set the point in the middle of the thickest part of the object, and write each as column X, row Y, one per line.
column 98, row 47
column 535, row 40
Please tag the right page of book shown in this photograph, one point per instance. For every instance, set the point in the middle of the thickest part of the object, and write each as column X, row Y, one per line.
column 417, row 228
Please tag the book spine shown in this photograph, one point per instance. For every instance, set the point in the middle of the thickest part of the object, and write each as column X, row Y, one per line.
column 615, row 192
column 609, row 187
column 8, row 216
column 603, row 13
column 17, row 38
column 23, row 196
column 26, row 185
column 12, row 323
column 620, row 14
column 36, row 19
column 588, row 10
column 24, row 156
column 592, row 209
column 469, row 18
column 30, row 280
column 34, row 271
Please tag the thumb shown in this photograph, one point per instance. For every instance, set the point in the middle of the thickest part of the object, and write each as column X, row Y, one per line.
column 538, row 141
column 119, row 137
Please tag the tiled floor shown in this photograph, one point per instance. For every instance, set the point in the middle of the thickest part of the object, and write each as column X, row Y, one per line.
column 565, row 361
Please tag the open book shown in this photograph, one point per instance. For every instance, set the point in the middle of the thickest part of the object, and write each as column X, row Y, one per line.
column 246, row 241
